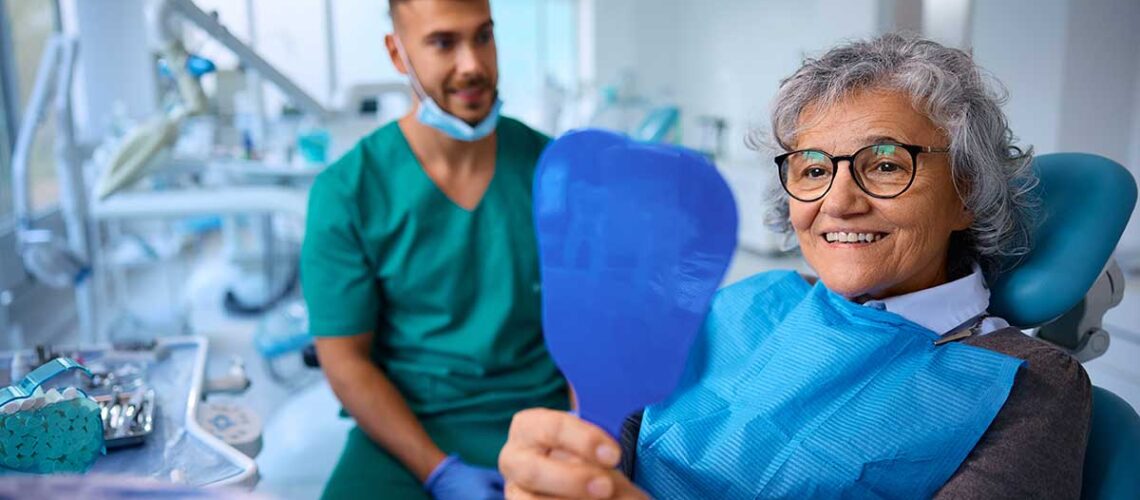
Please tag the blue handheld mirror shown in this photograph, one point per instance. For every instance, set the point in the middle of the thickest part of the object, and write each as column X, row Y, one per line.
column 634, row 240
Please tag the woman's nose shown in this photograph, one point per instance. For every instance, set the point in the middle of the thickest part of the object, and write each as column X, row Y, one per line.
column 845, row 198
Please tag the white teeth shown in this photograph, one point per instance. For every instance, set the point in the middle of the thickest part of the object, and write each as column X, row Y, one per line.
column 843, row 237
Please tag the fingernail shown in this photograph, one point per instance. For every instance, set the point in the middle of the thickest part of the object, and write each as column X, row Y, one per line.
column 600, row 487
column 607, row 454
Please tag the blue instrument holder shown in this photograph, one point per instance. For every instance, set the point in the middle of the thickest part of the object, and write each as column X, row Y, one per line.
column 634, row 240
column 27, row 386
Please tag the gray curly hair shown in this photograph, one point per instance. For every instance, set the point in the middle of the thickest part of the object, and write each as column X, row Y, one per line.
column 945, row 85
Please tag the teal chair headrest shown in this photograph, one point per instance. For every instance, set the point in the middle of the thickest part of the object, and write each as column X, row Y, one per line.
column 1086, row 201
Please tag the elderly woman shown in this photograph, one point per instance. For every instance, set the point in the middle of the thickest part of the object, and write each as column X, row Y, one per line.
column 887, row 378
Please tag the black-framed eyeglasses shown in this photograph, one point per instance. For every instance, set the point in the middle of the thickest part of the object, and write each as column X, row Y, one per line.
column 883, row 170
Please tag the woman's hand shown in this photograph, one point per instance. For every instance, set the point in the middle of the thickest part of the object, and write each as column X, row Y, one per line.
column 553, row 454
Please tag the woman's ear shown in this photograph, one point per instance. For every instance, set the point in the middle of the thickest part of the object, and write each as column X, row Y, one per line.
column 964, row 219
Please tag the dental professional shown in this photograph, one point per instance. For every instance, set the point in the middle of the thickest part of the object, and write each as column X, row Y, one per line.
column 420, row 271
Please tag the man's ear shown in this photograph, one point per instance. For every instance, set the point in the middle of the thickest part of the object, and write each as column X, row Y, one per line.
column 394, row 53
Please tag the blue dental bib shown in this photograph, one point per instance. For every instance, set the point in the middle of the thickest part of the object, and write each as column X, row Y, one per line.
column 792, row 391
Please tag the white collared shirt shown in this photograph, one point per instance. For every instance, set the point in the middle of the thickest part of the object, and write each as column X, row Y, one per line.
column 947, row 307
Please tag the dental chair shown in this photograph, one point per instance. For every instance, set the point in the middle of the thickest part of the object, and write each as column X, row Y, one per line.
column 1063, row 288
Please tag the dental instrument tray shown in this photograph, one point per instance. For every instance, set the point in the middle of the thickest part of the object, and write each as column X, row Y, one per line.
column 160, row 438
column 128, row 417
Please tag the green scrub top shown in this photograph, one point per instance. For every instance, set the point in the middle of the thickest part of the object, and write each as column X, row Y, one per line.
column 452, row 295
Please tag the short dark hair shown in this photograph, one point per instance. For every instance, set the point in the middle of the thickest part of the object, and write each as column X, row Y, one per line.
column 392, row 4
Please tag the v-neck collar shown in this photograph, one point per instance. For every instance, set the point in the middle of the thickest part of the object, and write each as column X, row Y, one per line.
column 435, row 187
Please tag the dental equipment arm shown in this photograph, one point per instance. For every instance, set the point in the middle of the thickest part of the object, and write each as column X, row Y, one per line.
column 36, row 109
column 145, row 141
column 190, row 12
column 46, row 257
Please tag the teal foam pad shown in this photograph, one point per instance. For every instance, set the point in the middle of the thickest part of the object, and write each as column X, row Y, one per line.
column 66, row 436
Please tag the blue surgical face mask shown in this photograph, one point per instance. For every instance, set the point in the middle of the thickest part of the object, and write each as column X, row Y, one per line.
column 430, row 114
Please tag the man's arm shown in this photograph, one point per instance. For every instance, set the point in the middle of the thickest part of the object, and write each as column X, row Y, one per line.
column 376, row 405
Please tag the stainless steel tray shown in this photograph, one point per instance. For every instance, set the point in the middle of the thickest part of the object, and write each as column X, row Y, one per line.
column 128, row 417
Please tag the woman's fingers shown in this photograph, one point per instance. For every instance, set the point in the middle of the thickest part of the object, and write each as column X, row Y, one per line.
column 556, row 454
column 515, row 492
column 565, row 456
column 557, row 430
column 537, row 473
column 624, row 489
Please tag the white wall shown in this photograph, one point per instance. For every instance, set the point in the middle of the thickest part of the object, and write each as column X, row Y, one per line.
column 291, row 36
column 947, row 22
column 1100, row 91
column 1134, row 161
column 724, row 58
column 1073, row 73
column 115, row 68
column 615, row 38
column 1100, row 69
column 517, row 25
column 1023, row 43
column 1131, row 241
column 359, row 38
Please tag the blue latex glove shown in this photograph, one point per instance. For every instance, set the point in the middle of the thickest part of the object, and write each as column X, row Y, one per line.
column 454, row 479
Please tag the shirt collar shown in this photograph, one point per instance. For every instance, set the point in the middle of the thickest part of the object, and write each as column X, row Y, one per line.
column 944, row 308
